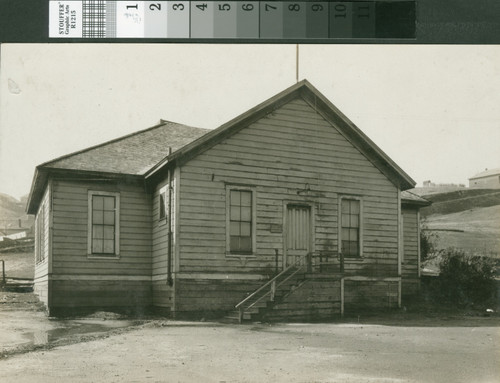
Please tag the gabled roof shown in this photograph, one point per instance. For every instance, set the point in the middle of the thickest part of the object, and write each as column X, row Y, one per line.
column 486, row 173
column 133, row 155
column 318, row 102
column 144, row 153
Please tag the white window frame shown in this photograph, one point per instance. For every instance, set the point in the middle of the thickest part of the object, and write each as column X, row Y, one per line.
column 251, row 189
column 116, row 253
column 40, row 235
column 356, row 198
column 163, row 191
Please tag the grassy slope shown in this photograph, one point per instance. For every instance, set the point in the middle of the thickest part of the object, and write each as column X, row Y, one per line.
column 466, row 219
column 18, row 265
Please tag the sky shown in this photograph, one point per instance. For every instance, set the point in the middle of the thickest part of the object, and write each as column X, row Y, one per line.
column 434, row 109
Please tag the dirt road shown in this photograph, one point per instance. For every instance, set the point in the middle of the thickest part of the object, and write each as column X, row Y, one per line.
column 206, row 352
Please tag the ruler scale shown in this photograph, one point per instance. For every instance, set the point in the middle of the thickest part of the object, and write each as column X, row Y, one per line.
column 232, row 20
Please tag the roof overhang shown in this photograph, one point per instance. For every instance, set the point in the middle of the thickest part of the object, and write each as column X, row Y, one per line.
column 44, row 174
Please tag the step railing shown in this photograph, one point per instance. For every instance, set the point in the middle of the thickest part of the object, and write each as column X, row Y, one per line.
column 312, row 262
column 325, row 261
column 271, row 286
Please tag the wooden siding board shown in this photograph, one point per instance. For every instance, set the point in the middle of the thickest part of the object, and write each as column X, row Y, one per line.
column 279, row 155
column 71, row 226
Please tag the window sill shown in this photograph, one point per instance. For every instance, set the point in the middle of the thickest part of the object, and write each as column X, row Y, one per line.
column 241, row 255
column 105, row 257
column 353, row 259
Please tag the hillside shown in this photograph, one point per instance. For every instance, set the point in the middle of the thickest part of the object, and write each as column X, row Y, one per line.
column 475, row 230
column 459, row 200
column 10, row 207
column 13, row 217
column 463, row 218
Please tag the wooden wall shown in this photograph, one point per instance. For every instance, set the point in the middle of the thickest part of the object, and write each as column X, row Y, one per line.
column 41, row 277
column 282, row 154
column 88, row 281
column 409, row 269
column 316, row 299
column 162, row 290
column 362, row 296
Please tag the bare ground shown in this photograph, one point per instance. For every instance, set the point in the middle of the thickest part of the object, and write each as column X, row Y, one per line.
column 399, row 347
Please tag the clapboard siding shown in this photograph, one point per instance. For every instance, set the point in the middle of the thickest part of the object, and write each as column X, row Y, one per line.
column 409, row 269
column 41, row 275
column 70, row 233
column 281, row 155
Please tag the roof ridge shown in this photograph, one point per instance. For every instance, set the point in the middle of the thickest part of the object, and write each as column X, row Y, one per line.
column 160, row 124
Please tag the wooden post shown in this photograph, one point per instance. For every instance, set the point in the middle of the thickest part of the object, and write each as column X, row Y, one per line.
column 276, row 271
column 309, row 262
column 273, row 290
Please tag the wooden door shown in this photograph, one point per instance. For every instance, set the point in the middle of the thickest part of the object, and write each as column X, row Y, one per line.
column 298, row 233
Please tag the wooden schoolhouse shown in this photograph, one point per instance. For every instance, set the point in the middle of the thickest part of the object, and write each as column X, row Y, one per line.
column 287, row 212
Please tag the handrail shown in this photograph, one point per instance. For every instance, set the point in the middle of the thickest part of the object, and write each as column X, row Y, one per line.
column 269, row 282
column 275, row 287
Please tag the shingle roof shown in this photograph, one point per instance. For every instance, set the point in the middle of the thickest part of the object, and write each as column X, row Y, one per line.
column 486, row 173
column 413, row 199
column 134, row 154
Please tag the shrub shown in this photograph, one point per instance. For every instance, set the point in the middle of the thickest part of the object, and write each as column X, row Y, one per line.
column 467, row 279
column 427, row 242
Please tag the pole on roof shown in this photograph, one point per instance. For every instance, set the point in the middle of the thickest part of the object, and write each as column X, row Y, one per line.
column 297, row 63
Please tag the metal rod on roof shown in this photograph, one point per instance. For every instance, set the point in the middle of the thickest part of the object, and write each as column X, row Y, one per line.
column 297, row 63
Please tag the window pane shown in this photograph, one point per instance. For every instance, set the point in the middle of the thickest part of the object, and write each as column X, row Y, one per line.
column 246, row 214
column 246, row 243
column 162, row 206
column 109, row 246
column 109, row 203
column 97, row 202
column 245, row 229
column 109, row 232
column 97, row 232
column 345, row 206
column 353, row 235
column 97, row 217
column 345, row 234
column 345, row 247
column 354, row 248
column 109, row 217
column 345, row 220
column 235, row 213
column 234, row 243
column 235, row 198
column 354, row 207
column 246, row 198
column 234, row 228
column 354, row 220
column 97, row 245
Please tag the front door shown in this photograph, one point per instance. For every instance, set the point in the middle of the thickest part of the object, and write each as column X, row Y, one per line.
column 298, row 233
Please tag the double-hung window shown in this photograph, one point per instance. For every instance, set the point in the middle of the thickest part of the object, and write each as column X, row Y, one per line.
column 241, row 221
column 350, row 227
column 104, row 223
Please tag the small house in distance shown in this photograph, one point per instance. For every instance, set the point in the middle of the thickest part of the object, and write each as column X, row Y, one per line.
column 489, row 179
column 289, row 212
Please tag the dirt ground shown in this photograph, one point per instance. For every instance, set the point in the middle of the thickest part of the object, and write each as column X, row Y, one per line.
column 107, row 348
